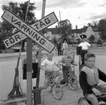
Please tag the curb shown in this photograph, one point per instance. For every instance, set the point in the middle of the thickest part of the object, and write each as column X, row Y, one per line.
column 10, row 55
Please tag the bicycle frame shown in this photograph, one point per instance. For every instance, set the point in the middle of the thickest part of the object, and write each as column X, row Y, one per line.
column 53, row 77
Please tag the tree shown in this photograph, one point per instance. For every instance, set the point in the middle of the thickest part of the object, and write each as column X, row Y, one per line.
column 31, row 16
column 99, row 42
column 102, row 28
column 65, row 27
column 92, row 38
column 54, row 41
column 20, row 11
column 2, row 47
column 95, row 24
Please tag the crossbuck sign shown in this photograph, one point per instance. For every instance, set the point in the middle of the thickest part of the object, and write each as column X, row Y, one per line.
column 29, row 31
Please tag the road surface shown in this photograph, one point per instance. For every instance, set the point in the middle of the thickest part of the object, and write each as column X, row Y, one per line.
column 7, row 70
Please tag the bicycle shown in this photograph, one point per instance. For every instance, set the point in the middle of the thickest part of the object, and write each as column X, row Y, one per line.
column 101, row 98
column 54, row 83
column 72, row 79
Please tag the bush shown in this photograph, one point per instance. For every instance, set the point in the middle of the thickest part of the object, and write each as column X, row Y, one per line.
column 54, row 41
column 99, row 42
column 92, row 38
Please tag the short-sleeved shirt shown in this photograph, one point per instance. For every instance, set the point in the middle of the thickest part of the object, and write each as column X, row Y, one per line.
column 49, row 65
column 84, row 45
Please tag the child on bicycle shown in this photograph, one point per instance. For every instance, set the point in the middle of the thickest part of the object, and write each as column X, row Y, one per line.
column 48, row 66
column 67, row 61
column 89, row 78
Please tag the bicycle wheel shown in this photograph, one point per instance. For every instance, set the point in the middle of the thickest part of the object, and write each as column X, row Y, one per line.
column 73, row 83
column 57, row 91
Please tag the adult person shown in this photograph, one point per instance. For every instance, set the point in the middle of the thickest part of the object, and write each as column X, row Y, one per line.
column 65, row 47
column 85, row 46
column 89, row 78
column 59, row 49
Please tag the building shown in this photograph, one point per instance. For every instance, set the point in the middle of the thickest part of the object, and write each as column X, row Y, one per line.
column 88, row 30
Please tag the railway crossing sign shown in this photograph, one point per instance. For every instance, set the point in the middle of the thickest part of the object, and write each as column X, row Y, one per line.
column 29, row 31
column 32, row 33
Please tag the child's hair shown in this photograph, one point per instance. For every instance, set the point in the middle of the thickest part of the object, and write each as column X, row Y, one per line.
column 50, row 55
column 89, row 55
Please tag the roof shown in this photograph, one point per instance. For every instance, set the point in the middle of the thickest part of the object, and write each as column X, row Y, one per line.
column 82, row 30
column 54, row 30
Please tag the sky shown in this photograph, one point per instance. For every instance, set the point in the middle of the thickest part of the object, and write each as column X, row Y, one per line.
column 78, row 12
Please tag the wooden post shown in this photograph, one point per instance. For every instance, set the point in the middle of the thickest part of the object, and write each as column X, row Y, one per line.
column 29, row 66
column 40, row 49
column 29, row 71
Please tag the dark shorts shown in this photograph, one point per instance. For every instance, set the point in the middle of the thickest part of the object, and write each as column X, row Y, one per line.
column 48, row 73
column 83, row 54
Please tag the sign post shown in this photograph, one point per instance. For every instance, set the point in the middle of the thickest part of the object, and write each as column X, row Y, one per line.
column 29, row 65
column 40, row 49
column 30, row 32
column 29, row 71
column 38, row 26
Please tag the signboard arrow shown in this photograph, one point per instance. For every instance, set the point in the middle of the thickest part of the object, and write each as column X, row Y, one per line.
column 30, row 31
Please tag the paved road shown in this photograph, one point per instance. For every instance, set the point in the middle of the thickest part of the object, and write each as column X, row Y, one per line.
column 69, row 98
column 7, row 69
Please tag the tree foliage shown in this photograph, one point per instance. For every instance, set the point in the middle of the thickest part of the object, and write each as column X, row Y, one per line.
column 92, row 38
column 99, row 42
column 54, row 41
column 20, row 11
column 102, row 28
column 66, row 28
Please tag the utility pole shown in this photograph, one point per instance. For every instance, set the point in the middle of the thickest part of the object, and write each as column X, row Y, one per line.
column 40, row 49
column 60, row 15
column 29, row 65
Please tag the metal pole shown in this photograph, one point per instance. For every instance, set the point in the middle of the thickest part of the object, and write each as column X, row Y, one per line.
column 40, row 49
column 29, row 72
column 73, row 53
column 29, row 65
column 43, row 8
column 60, row 15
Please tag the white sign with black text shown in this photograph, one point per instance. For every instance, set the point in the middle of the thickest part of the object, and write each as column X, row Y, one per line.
column 30, row 31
